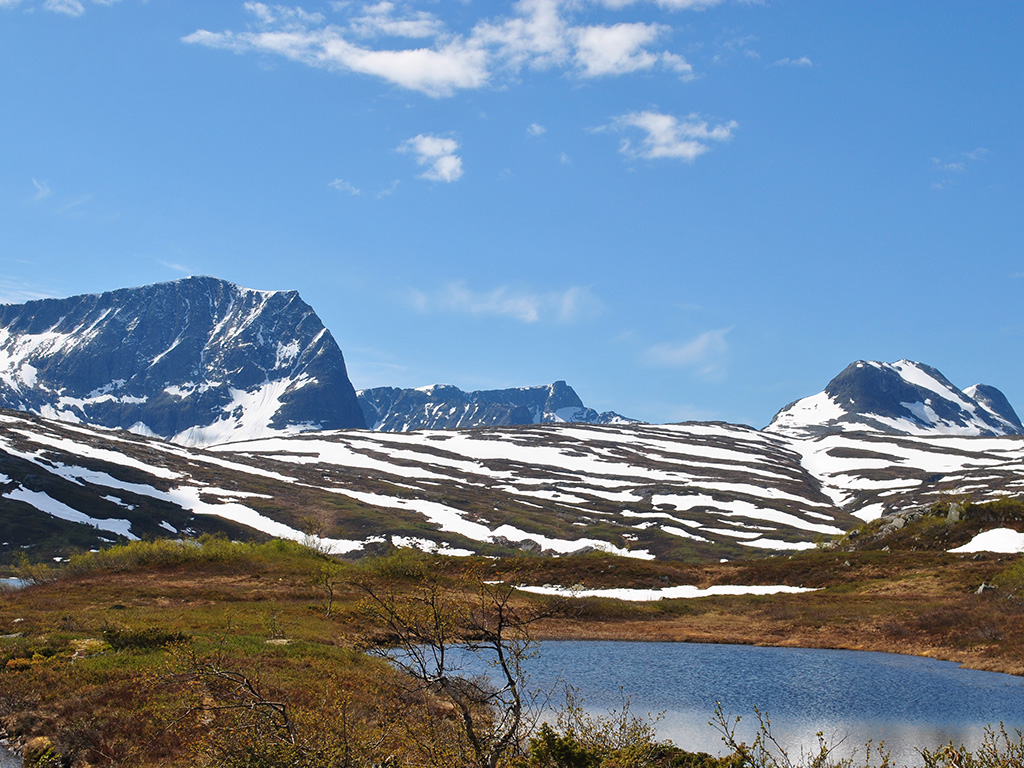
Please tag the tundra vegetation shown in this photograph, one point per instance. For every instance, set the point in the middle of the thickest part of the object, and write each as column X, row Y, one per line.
column 219, row 653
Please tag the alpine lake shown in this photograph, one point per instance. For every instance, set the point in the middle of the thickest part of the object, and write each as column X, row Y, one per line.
column 902, row 703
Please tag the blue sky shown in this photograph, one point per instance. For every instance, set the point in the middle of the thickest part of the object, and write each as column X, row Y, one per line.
column 688, row 209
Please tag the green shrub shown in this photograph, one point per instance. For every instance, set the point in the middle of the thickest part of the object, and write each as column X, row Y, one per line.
column 142, row 639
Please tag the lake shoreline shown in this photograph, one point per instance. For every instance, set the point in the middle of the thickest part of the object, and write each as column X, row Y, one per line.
column 673, row 632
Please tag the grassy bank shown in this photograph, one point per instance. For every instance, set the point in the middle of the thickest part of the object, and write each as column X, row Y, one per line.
column 218, row 653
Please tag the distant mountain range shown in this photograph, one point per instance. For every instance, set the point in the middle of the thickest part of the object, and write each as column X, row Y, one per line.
column 272, row 440
column 443, row 406
column 201, row 361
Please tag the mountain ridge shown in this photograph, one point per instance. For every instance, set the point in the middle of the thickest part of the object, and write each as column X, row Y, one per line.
column 192, row 360
column 445, row 406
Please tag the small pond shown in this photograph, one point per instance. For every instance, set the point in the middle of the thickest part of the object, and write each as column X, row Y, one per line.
column 907, row 701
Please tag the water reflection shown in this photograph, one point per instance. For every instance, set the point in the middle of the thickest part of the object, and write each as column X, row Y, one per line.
column 850, row 696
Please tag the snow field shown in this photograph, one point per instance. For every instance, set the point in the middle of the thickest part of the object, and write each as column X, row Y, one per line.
column 684, row 591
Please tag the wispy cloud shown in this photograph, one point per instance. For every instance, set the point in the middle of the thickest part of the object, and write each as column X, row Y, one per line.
column 673, row 5
column 705, row 354
column 388, row 190
column 66, row 7
column 668, row 136
column 728, row 49
column 950, row 168
column 17, row 292
column 175, row 267
column 525, row 306
column 43, row 190
column 382, row 19
column 437, row 154
column 803, row 61
column 345, row 186
column 535, row 129
column 75, row 204
column 536, row 35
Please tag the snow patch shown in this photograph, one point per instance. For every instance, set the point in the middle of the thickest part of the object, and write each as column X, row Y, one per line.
column 49, row 505
column 684, row 591
column 1002, row 540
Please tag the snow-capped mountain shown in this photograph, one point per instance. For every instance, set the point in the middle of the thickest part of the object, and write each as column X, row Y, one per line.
column 696, row 491
column 898, row 398
column 443, row 406
column 196, row 361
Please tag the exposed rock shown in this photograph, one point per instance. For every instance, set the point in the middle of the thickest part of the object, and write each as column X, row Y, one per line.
column 443, row 406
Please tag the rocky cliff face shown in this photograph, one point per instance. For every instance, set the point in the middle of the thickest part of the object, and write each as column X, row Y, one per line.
column 197, row 361
column 900, row 398
column 443, row 406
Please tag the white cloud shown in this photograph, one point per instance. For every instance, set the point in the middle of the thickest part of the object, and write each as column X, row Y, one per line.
column 270, row 15
column 344, row 186
column 535, row 35
column 8, row 3
column 706, row 353
column 70, row 7
column 615, row 50
column 535, row 129
column 564, row 159
column 668, row 136
column 43, row 190
column 296, row 35
column 526, row 306
column 437, row 153
column 380, row 19
column 803, row 61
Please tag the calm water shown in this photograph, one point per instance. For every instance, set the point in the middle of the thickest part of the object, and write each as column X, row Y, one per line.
column 906, row 701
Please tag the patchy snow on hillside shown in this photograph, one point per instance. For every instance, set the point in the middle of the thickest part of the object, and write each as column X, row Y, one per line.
column 49, row 505
column 1002, row 540
column 684, row 591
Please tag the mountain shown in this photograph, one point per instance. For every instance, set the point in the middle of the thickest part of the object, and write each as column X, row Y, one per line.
column 443, row 406
column 692, row 492
column 905, row 398
column 195, row 361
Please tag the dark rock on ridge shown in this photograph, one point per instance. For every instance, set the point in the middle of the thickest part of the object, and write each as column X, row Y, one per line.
column 443, row 406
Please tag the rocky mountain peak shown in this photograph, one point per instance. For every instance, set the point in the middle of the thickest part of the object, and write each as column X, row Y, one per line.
column 198, row 360
column 904, row 397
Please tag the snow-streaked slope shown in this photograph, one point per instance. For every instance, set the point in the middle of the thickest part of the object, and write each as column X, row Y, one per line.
column 197, row 361
column 717, row 490
column 738, row 487
column 691, row 491
column 871, row 473
column 901, row 398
